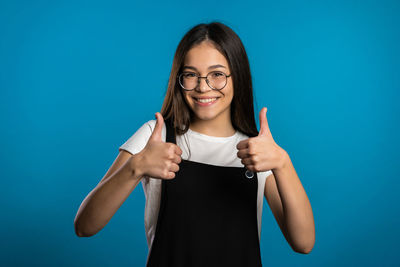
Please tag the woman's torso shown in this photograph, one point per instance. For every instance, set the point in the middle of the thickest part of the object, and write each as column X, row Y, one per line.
column 219, row 151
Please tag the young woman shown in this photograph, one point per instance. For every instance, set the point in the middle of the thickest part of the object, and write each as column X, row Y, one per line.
column 204, row 166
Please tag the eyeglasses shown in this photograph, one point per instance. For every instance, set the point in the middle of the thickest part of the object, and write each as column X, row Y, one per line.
column 216, row 80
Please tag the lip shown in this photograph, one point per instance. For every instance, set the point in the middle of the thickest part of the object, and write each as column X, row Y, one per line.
column 205, row 97
column 204, row 104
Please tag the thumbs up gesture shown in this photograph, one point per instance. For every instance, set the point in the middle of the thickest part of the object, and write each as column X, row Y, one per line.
column 159, row 159
column 261, row 153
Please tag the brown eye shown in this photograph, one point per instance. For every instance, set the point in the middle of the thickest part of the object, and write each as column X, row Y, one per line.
column 217, row 74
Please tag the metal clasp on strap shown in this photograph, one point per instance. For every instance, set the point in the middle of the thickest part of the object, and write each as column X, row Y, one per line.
column 249, row 174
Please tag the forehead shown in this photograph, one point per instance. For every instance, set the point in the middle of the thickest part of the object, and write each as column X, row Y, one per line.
column 203, row 55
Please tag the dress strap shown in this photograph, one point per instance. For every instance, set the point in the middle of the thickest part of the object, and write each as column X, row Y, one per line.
column 170, row 137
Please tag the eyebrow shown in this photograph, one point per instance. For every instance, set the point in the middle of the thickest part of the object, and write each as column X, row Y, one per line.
column 210, row 67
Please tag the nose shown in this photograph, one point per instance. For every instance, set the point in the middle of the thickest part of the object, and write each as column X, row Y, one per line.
column 202, row 86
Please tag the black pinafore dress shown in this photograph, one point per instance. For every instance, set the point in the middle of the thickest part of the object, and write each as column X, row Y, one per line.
column 207, row 217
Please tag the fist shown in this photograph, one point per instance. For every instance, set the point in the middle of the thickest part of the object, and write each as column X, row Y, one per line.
column 261, row 153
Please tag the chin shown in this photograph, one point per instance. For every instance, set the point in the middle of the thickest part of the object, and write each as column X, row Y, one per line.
column 208, row 115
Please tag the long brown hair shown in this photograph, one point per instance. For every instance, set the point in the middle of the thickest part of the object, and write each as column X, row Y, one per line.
column 229, row 44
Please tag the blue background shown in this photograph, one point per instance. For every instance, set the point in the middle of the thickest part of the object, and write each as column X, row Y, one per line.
column 78, row 78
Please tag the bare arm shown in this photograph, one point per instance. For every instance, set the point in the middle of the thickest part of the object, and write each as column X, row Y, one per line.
column 291, row 207
column 157, row 159
column 105, row 199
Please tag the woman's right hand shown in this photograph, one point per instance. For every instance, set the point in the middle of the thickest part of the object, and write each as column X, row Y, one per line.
column 158, row 159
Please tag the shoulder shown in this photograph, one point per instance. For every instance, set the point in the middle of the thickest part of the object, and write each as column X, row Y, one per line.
column 152, row 124
column 147, row 128
column 138, row 140
column 241, row 136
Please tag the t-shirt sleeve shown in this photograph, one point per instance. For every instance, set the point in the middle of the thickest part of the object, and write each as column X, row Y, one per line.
column 268, row 173
column 138, row 140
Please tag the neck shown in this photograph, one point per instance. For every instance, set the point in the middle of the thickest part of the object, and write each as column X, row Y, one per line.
column 218, row 127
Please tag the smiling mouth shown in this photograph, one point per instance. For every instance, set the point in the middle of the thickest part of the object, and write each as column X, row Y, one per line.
column 206, row 100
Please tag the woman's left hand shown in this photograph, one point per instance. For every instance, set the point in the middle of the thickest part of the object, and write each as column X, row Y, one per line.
column 261, row 153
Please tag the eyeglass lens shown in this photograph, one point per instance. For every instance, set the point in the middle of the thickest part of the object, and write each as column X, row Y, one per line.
column 216, row 80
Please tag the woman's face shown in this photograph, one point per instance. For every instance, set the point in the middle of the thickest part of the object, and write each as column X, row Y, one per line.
column 202, row 59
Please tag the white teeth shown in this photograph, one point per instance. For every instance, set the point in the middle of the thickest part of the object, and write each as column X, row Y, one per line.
column 206, row 100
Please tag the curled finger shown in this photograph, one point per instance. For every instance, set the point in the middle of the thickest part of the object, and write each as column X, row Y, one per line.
column 174, row 167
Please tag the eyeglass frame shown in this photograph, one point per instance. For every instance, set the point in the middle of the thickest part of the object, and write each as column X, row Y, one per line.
column 205, row 77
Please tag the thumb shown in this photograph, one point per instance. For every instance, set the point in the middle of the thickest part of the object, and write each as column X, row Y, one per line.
column 156, row 135
column 264, row 128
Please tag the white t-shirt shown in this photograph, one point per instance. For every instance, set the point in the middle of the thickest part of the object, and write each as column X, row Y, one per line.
column 220, row 151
